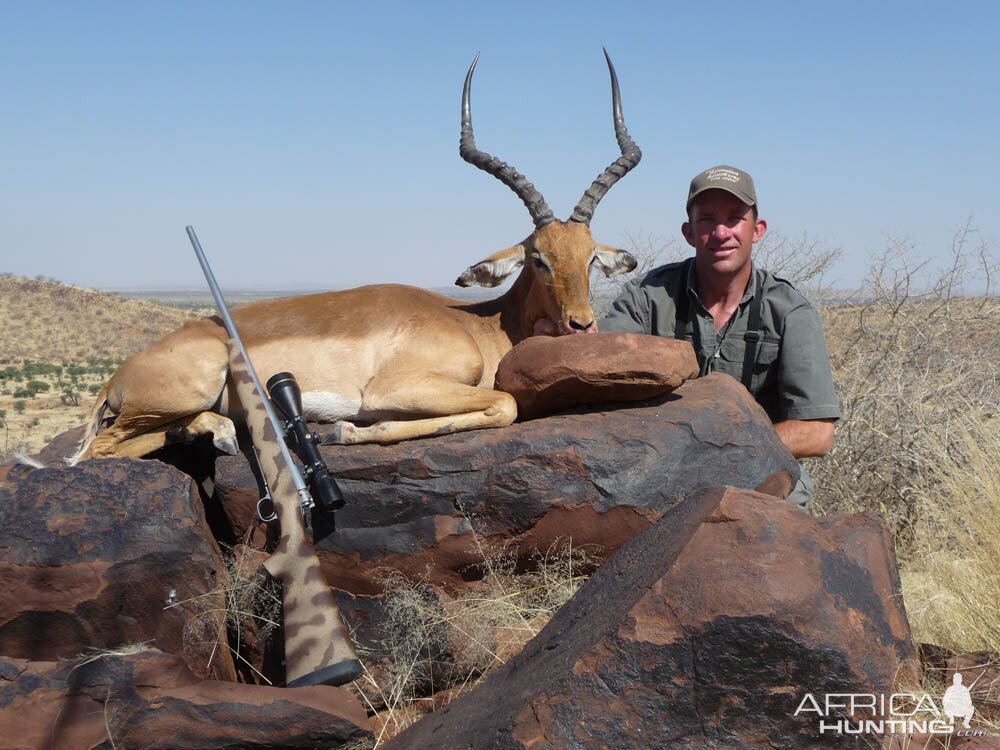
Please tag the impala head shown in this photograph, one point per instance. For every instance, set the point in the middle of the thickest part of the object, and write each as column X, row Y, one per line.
column 557, row 257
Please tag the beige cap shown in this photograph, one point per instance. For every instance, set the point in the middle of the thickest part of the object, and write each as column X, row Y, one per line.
column 722, row 177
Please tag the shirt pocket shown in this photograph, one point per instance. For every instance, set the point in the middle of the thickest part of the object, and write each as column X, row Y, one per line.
column 765, row 371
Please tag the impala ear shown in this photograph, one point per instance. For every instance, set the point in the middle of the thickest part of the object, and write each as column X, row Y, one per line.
column 494, row 269
column 613, row 261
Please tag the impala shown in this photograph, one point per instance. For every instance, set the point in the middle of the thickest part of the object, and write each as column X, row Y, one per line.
column 384, row 362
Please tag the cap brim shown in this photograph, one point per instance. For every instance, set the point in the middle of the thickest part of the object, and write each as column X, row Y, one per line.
column 743, row 197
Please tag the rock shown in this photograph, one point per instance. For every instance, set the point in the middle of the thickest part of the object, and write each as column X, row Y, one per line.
column 90, row 557
column 597, row 477
column 866, row 541
column 779, row 484
column 704, row 630
column 548, row 374
column 151, row 700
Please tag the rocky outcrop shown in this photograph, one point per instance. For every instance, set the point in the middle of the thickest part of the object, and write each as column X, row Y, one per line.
column 548, row 374
column 94, row 557
column 151, row 700
column 705, row 630
column 595, row 476
column 725, row 608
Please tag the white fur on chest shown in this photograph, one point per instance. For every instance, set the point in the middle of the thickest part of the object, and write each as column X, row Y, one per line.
column 321, row 406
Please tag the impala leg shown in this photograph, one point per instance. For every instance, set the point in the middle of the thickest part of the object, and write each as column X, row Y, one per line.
column 459, row 407
column 183, row 430
column 165, row 388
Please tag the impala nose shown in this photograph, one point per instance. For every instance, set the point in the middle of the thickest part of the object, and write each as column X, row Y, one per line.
column 579, row 327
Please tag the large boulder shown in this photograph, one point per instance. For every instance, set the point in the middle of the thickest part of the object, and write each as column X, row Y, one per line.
column 705, row 630
column 151, row 700
column 548, row 374
column 594, row 476
column 105, row 554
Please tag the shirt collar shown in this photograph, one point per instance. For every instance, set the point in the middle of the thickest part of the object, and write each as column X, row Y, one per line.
column 692, row 282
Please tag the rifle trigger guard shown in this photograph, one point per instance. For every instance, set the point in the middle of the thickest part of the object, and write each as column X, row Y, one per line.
column 270, row 516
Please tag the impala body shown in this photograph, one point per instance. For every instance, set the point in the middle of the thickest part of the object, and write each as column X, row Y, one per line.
column 406, row 362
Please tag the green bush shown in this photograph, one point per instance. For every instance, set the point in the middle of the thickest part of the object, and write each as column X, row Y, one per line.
column 19, row 407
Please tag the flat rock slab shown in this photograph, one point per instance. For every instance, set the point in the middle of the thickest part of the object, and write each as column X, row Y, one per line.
column 90, row 555
column 548, row 374
column 595, row 476
column 151, row 700
column 705, row 630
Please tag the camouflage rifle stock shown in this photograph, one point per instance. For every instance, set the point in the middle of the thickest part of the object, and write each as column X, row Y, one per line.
column 318, row 649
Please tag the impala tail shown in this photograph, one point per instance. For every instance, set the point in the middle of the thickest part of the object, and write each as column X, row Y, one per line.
column 93, row 425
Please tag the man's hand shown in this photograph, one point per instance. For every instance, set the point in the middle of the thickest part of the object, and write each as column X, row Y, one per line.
column 806, row 438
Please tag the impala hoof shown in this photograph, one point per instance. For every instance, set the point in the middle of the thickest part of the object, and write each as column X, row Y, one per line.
column 226, row 445
column 343, row 433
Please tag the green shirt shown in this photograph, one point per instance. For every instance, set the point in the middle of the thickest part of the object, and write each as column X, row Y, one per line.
column 791, row 375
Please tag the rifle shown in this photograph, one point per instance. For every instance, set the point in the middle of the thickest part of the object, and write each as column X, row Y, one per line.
column 318, row 650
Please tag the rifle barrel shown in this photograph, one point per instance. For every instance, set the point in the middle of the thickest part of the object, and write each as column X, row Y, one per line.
column 220, row 303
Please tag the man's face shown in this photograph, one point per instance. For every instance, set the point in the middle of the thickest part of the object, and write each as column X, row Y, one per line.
column 722, row 230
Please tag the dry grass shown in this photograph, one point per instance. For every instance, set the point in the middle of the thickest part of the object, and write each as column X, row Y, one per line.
column 94, row 654
column 952, row 583
column 435, row 648
column 247, row 601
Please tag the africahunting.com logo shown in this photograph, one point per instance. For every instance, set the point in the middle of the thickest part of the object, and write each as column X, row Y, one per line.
column 898, row 713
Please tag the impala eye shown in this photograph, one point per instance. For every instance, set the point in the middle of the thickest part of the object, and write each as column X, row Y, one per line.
column 540, row 264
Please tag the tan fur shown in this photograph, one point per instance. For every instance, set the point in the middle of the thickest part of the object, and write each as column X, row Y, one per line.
column 418, row 363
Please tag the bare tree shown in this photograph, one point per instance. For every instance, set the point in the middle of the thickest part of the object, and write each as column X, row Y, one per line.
column 805, row 262
column 913, row 357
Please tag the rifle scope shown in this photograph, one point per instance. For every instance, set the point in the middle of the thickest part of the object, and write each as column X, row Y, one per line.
column 286, row 396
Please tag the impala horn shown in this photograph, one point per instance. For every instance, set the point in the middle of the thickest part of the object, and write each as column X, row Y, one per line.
column 631, row 155
column 541, row 214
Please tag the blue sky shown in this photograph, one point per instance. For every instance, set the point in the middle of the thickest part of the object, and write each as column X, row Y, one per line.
column 316, row 144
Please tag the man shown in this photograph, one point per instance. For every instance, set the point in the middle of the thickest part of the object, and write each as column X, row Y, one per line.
column 742, row 320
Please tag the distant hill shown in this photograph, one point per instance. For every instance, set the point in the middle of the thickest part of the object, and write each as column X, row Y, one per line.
column 202, row 298
column 46, row 321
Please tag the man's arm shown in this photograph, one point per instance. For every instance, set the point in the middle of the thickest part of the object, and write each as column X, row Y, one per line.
column 806, row 405
column 629, row 313
column 806, row 438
